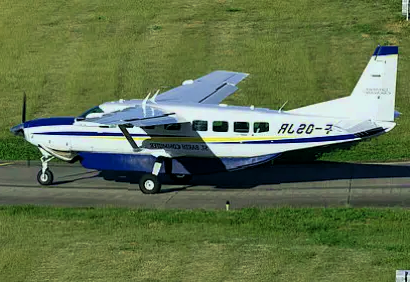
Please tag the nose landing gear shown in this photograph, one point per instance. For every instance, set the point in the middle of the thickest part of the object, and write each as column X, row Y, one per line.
column 45, row 176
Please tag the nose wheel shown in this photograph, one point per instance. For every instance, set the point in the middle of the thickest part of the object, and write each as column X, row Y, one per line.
column 45, row 176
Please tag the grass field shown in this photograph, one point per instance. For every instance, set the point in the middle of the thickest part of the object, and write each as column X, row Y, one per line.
column 61, row 244
column 71, row 55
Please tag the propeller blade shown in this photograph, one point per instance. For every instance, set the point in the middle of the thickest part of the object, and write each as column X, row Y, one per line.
column 23, row 114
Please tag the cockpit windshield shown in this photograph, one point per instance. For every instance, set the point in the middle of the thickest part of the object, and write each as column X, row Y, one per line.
column 93, row 110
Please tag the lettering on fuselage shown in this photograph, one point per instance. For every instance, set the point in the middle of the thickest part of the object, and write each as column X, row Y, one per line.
column 290, row 128
column 189, row 147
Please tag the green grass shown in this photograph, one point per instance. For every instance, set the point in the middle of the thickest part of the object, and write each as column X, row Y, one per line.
column 71, row 55
column 282, row 244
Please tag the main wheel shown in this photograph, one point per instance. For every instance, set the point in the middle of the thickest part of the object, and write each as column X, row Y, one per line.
column 181, row 178
column 46, row 178
column 149, row 184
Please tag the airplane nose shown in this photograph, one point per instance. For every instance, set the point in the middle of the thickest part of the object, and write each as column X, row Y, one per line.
column 18, row 129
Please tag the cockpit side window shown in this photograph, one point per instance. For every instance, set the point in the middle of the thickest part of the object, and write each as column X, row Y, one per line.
column 93, row 110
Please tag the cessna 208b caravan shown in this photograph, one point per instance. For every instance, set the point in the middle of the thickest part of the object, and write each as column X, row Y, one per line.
column 186, row 131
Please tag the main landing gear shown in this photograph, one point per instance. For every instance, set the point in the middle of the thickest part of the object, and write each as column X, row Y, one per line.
column 45, row 176
column 149, row 183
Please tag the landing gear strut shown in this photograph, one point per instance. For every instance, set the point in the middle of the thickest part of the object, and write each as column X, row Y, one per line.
column 45, row 176
column 149, row 183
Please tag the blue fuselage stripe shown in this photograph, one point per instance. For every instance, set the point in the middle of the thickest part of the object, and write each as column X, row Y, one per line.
column 49, row 122
column 91, row 134
column 299, row 140
column 280, row 141
column 101, row 134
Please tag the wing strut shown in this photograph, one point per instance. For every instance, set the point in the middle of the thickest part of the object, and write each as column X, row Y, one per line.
column 129, row 138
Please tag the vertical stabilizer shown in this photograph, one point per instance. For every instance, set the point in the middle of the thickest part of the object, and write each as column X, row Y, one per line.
column 373, row 96
column 375, row 91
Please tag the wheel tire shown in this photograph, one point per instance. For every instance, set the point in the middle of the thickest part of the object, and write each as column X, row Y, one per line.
column 45, row 179
column 149, row 184
column 181, row 178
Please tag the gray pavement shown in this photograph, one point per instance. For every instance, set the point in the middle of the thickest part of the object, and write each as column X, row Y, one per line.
column 322, row 184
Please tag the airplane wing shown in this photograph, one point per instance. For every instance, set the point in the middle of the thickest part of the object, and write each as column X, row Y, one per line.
column 139, row 116
column 209, row 89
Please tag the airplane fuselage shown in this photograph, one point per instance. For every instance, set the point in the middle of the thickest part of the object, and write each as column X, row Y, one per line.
column 212, row 131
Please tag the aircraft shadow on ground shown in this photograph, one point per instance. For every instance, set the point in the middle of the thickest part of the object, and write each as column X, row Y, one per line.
column 292, row 167
column 320, row 171
column 282, row 173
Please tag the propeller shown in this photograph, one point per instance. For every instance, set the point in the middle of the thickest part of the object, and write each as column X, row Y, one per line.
column 23, row 113
column 18, row 129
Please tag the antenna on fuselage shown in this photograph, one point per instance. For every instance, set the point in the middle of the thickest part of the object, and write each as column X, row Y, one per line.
column 280, row 110
column 153, row 97
column 146, row 98
column 144, row 103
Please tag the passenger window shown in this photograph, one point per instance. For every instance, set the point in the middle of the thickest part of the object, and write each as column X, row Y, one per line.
column 220, row 126
column 148, row 127
column 240, row 126
column 199, row 125
column 174, row 126
column 260, row 127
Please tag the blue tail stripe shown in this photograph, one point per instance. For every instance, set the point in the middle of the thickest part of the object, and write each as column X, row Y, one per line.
column 386, row 50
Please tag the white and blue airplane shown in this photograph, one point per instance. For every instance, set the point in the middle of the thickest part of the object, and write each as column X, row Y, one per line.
column 187, row 131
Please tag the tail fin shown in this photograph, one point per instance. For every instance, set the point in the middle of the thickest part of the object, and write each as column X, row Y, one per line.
column 374, row 94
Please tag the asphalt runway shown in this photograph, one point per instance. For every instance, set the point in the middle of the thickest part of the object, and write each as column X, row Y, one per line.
column 321, row 184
